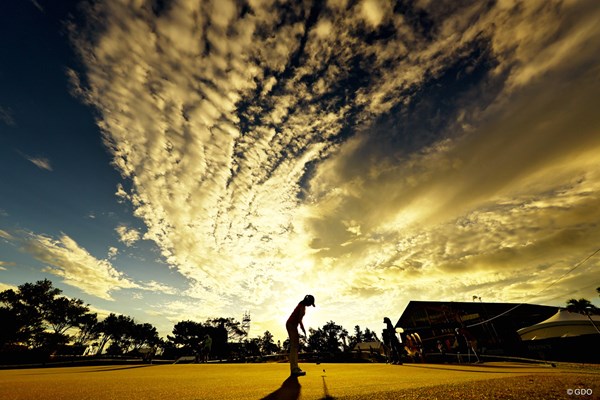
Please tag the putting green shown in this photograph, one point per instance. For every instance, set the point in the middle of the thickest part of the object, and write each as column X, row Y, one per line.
column 245, row 381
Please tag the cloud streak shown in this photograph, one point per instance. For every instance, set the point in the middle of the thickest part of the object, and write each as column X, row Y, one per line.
column 40, row 162
column 77, row 267
column 65, row 258
column 6, row 116
column 365, row 150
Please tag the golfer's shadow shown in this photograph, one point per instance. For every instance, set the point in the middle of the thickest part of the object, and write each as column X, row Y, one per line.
column 289, row 390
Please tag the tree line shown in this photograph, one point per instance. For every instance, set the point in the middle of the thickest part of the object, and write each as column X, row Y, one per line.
column 37, row 317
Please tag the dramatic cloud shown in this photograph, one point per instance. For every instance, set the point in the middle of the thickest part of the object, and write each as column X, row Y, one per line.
column 368, row 153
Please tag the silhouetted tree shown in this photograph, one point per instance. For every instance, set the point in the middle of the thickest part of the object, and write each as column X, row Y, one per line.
column 12, row 327
column 327, row 339
column 286, row 344
column 144, row 335
column 316, row 340
column 27, row 305
column 20, row 322
column 344, row 337
column 235, row 333
column 36, row 316
column 89, row 329
column 333, row 340
column 585, row 307
column 65, row 314
column 116, row 329
column 252, row 347
column 370, row 336
column 267, row 344
column 353, row 340
column 188, row 335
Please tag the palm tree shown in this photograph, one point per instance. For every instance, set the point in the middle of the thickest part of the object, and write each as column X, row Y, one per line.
column 584, row 307
column 344, row 337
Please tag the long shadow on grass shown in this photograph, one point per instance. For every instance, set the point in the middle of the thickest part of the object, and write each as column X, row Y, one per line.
column 77, row 369
column 119, row 368
column 289, row 390
column 467, row 370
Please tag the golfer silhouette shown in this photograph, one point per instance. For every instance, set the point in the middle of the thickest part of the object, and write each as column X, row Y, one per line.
column 292, row 327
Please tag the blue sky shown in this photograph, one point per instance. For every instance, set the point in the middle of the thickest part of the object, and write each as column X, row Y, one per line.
column 186, row 160
column 57, row 178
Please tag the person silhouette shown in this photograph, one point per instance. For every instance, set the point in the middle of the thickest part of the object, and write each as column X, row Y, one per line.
column 391, row 340
column 291, row 325
column 206, row 347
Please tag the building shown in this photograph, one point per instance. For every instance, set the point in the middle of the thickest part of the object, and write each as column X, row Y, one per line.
column 492, row 327
column 374, row 350
column 565, row 336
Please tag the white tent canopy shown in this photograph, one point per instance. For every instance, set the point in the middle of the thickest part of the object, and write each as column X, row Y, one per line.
column 561, row 324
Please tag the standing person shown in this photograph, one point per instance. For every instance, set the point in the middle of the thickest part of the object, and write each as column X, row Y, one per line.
column 471, row 344
column 292, row 327
column 392, row 342
column 442, row 349
column 206, row 347
column 465, row 343
column 459, row 345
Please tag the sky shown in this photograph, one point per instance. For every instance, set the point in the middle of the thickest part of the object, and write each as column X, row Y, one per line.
column 184, row 159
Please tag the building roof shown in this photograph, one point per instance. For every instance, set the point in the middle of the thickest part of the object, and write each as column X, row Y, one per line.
column 561, row 324
column 424, row 314
column 366, row 346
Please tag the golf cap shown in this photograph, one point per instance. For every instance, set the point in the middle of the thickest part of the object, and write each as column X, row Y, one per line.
column 309, row 300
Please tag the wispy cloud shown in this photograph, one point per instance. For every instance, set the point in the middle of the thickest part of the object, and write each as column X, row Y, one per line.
column 6, row 286
column 40, row 162
column 128, row 236
column 4, row 264
column 37, row 5
column 101, row 312
column 6, row 116
column 6, row 235
column 160, row 287
column 112, row 252
column 352, row 151
column 66, row 259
